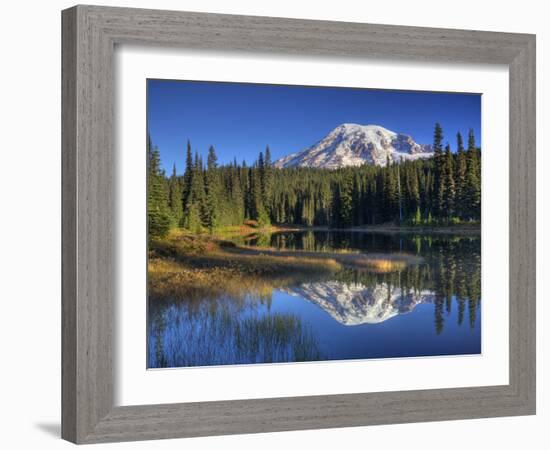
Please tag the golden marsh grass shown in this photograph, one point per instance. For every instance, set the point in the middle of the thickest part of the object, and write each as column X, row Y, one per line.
column 194, row 266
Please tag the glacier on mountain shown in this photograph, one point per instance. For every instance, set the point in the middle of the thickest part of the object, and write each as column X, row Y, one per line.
column 351, row 144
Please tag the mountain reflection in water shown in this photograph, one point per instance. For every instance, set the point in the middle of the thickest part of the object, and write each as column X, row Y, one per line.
column 356, row 304
column 427, row 309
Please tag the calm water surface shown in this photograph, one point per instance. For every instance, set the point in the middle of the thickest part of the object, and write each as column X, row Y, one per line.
column 426, row 309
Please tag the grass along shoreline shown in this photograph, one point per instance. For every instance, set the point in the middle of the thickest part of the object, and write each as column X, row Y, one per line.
column 458, row 229
column 186, row 265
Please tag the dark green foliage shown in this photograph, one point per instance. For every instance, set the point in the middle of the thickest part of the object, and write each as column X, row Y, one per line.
column 472, row 190
column 195, row 212
column 212, row 191
column 442, row 190
column 158, row 213
column 267, row 182
column 450, row 187
column 390, row 204
column 343, row 201
column 460, row 177
column 188, row 174
column 439, row 179
column 438, row 139
column 175, row 201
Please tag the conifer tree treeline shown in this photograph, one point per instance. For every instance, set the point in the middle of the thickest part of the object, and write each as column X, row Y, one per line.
column 159, row 215
column 441, row 190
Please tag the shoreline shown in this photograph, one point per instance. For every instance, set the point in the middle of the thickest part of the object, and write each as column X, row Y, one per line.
column 186, row 265
column 379, row 261
column 474, row 229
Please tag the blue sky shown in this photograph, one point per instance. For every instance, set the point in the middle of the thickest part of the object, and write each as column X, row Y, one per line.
column 240, row 119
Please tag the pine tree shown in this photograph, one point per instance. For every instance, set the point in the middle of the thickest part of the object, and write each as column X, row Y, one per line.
column 195, row 211
column 188, row 174
column 200, row 189
column 212, row 160
column 438, row 140
column 174, row 198
column 357, row 198
column 236, row 198
column 399, row 192
column 256, row 209
column 192, row 218
column 459, row 142
column 417, row 217
column 158, row 214
column 439, row 178
column 450, row 189
column 460, row 178
column 268, row 182
column 261, row 164
column 250, row 212
column 391, row 192
column 213, row 193
column 473, row 180
column 414, row 193
column 344, row 202
column 379, row 214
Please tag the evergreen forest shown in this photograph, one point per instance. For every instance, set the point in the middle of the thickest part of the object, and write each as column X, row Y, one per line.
column 439, row 191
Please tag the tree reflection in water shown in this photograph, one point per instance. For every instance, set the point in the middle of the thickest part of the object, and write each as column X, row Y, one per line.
column 244, row 330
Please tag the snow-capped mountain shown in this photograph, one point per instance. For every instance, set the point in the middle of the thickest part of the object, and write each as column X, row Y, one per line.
column 353, row 145
column 356, row 304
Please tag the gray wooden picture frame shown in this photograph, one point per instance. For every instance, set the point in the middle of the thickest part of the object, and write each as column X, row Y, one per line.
column 90, row 34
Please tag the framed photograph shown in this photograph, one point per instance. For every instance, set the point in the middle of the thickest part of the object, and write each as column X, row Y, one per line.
column 277, row 224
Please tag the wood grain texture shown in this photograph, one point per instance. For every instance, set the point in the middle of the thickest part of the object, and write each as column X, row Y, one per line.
column 68, row 226
column 89, row 37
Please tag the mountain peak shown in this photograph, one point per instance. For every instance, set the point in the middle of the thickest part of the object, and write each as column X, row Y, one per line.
column 351, row 144
column 355, row 126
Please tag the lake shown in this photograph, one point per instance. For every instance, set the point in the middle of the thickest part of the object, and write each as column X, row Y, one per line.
column 428, row 308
